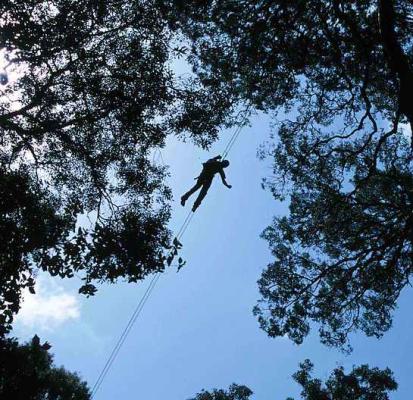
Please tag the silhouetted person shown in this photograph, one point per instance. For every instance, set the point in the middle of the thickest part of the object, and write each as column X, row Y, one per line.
column 204, row 180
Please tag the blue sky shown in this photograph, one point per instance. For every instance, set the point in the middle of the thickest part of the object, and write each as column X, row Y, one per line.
column 197, row 329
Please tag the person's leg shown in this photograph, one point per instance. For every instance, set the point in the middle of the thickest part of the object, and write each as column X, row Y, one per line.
column 185, row 197
column 205, row 186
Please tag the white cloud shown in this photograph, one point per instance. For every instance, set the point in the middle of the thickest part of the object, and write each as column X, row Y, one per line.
column 49, row 308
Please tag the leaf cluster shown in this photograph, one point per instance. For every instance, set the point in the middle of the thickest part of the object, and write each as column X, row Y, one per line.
column 27, row 372
column 361, row 383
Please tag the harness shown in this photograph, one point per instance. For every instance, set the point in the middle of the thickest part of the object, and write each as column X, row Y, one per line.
column 210, row 168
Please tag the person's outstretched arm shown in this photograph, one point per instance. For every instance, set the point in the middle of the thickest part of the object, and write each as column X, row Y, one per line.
column 224, row 181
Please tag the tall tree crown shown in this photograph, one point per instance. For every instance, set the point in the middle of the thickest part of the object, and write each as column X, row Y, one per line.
column 89, row 94
column 337, row 75
column 27, row 372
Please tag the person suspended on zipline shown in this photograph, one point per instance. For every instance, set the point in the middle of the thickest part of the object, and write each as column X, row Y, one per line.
column 204, row 180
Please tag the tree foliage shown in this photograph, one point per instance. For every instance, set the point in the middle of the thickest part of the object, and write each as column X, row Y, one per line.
column 27, row 372
column 361, row 383
column 235, row 392
column 338, row 77
column 88, row 94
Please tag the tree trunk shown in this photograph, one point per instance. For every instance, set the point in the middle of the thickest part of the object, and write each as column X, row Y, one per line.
column 397, row 59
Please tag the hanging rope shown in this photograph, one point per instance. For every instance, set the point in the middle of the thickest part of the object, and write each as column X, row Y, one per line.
column 139, row 307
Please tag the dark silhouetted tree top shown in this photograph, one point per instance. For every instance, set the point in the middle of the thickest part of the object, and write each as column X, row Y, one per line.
column 88, row 97
column 362, row 383
column 235, row 392
column 338, row 77
column 27, row 372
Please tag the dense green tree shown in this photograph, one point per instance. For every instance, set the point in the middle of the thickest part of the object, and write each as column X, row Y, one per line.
column 338, row 77
column 362, row 383
column 27, row 372
column 88, row 94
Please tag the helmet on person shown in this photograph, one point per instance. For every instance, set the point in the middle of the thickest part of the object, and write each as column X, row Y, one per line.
column 225, row 163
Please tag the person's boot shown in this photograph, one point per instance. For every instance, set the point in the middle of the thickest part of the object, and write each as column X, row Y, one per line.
column 183, row 200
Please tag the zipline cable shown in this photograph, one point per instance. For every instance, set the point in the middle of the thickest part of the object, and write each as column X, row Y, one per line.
column 236, row 133
column 134, row 316
column 188, row 218
column 139, row 307
column 122, row 338
column 185, row 225
column 230, row 143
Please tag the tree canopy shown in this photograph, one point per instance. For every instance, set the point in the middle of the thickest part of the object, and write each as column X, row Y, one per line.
column 235, row 392
column 87, row 95
column 337, row 75
column 361, row 383
column 27, row 372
